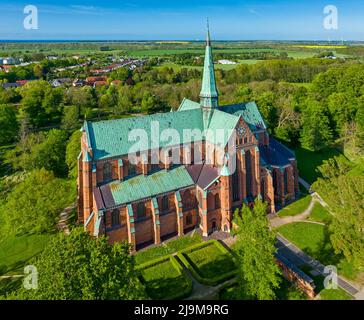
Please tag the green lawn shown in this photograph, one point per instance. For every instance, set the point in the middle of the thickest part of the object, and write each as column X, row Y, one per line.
column 334, row 294
column 320, row 214
column 167, row 248
column 286, row 291
column 327, row 294
column 165, row 279
column 210, row 262
column 314, row 239
column 296, row 207
column 308, row 161
column 16, row 251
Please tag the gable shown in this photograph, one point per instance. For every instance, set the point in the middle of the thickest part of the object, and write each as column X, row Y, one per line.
column 187, row 104
column 250, row 113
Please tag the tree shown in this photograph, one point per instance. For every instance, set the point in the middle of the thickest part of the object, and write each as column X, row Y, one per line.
column 72, row 152
column 34, row 205
column 316, row 133
column 40, row 150
column 258, row 274
column 78, row 267
column 344, row 193
column 8, row 124
column 33, row 94
column 70, row 119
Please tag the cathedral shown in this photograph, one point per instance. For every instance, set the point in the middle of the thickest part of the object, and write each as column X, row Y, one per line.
column 168, row 188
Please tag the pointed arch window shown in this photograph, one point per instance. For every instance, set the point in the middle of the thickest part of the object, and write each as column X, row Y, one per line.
column 285, row 181
column 217, row 201
column 165, row 203
column 115, row 218
column 141, row 212
column 107, row 172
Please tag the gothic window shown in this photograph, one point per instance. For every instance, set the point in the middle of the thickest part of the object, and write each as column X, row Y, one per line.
column 285, row 181
column 131, row 169
column 189, row 219
column 155, row 167
column 217, row 201
column 141, row 210
column 165, row 203
column 235, row 183
column 107, row 172
column 262, row 189
column 275, row 181
column 115, row 218
column 248, row 173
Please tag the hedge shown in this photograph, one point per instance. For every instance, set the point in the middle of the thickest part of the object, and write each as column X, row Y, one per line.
column 183, row 256
column 183, row 294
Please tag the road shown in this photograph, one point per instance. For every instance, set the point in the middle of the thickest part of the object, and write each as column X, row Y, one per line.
column 289, row 251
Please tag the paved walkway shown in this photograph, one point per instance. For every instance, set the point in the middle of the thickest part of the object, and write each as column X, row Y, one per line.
column 299, row 258
column 277, row 221
column 63, row 219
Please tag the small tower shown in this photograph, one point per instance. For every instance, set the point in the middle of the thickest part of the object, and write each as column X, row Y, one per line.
column 226, row 199
column 208, row 95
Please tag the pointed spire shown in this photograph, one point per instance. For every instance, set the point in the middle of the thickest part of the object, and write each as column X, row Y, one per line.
column 209, row 94
column 208, row 40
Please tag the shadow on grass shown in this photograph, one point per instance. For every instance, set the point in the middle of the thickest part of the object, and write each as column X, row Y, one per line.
column 308, row 161
column 324, row 252
column 163, row 288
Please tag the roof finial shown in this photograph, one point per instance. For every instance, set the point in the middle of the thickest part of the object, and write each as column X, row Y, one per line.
column 208, row 41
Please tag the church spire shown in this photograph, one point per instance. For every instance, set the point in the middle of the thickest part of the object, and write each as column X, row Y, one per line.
column 209, row 94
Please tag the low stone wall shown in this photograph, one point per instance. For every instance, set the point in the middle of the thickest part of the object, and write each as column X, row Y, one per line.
column 295, row 275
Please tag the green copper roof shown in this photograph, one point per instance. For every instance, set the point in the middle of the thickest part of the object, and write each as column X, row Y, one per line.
column 86, row 157
column 188, row 105
column 225, row 172
column 223, row 120
column 110, row 138
column 143, row 187
column 208, row 89
column 250, row 113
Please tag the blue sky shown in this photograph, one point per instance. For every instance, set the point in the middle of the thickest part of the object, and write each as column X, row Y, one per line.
column 158, row 19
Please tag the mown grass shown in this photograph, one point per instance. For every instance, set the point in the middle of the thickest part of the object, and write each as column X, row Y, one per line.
column 15, row 252
column 314, row 240
column 296, row 207
column 334, row 294
column 286, row 291
column 167, row 248
column 320, row 214
column 163, row 280
column 209, row 261
column 308, row 161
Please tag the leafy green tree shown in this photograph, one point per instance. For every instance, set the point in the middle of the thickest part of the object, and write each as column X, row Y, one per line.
column 33, row 94
column 344, row 193
column 70, row 119
column 78, row 267
column 316, row 133
column 8, row 124
column 72, row 152
column 259, row 275
column 34, row 205
column 41, row 151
